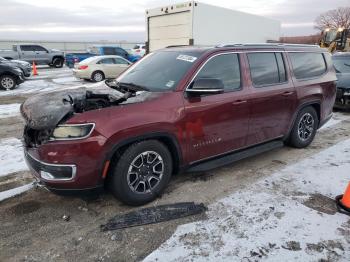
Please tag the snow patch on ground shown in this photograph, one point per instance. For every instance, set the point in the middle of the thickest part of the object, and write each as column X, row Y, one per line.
column 66, row 80
column 11, row 156
column 270, row 220
column 14, row 192
column 9, row 110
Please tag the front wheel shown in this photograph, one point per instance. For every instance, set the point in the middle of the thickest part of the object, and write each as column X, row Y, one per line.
column 304, row 128
column 141, row 173
column 7, row 82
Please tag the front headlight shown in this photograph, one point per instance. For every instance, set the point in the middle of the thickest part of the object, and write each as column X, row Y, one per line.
column 72, row 131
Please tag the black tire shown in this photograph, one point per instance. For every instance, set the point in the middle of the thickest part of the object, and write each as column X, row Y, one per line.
column 58, row 62
column 97, row 76
column 7, row 82
column 122, row 173
column 304, row 129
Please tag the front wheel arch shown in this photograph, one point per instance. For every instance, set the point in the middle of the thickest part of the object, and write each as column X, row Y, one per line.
column 169, row 140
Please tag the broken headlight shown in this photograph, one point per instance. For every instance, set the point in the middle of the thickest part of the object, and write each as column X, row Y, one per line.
column 72, row 131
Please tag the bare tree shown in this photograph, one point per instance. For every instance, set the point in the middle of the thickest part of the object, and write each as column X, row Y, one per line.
column 335, row 18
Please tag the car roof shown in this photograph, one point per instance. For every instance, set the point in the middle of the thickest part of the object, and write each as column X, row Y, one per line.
column 244, row 47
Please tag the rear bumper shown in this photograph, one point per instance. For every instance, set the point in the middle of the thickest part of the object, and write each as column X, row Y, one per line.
column 81, row 74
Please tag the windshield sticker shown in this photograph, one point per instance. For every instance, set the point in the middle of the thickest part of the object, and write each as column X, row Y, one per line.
column 170, row 83
column 187, row 58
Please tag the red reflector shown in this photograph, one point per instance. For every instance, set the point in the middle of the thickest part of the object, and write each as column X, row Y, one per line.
column 82, row 67
column 105, row 169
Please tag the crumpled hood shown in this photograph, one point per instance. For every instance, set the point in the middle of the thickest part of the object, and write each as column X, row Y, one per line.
column 343, row 80
column 46, row 110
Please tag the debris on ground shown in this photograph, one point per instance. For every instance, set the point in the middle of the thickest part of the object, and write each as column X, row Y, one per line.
column 66, row 218
column 153, row 215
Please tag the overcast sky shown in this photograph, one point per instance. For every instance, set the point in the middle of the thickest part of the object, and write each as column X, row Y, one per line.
column 91, row 20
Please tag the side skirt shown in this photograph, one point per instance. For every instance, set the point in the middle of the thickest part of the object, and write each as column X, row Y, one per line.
column 235, row 156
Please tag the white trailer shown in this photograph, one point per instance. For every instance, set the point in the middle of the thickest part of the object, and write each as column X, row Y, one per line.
column 194, row 23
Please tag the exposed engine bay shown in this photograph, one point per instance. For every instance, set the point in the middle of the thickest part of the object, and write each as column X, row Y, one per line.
column 43, row 112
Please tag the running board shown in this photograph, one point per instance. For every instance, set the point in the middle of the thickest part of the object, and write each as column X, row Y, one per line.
column 235, row 156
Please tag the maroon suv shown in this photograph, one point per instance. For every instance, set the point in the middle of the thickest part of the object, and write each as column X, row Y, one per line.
column 180, row 108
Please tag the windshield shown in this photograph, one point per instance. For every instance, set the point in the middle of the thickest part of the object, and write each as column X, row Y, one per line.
column 342, row 64
column 331, row 35
column 160, row 71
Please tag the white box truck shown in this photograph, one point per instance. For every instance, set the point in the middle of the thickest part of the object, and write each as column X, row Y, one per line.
column 194, row 23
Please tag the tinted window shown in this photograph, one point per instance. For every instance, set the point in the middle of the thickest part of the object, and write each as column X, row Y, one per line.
column 121, row 52
column 39, row 48
column 120, row 61
column 307, row 65
column 160, row 71
column 266, row 68
column 106, row 61
column 27, row 48
column 225, row 68
column 109, row 51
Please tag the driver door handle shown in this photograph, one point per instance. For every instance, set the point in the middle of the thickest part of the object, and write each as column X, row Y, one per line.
column 239, row 102
column 287, row 93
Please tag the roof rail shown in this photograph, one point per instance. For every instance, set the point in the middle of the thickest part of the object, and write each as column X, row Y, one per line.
column 267, row 45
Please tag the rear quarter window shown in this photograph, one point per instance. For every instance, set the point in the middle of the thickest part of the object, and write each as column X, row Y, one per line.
column 307, row 65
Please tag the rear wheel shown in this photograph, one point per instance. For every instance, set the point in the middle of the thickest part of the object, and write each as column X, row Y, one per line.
column 7, row 82
column 58, row 62
column 304, row 128
column 142, row 172
column 97, row 76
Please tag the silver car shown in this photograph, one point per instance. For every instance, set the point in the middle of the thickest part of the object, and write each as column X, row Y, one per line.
column 98, row 68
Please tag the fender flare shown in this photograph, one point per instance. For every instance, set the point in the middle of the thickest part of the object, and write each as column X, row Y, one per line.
column 174, row 149
column 299, row 108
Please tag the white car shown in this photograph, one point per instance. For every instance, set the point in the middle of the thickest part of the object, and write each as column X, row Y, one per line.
column 139, row 49
column 98, row 68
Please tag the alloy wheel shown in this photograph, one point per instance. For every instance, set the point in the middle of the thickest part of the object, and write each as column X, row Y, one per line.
column 306, row 126
column 7, row 83
column 145, row 172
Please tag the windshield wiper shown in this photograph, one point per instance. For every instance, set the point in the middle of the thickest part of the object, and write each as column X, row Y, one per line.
column 131, row 86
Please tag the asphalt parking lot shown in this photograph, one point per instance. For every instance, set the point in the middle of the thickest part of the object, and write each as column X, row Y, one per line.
column 281, row 199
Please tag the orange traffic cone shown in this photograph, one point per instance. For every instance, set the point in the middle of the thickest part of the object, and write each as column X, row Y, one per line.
column 343, row 201
column 35, row 71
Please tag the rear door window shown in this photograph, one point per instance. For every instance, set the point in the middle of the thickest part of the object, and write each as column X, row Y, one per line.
column 307, row 65
column 267, row 68
column 121, row 61
column 107, row 61
column 27, row 48
column 224, row 67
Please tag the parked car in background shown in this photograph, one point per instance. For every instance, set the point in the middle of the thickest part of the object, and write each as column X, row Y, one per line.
column 35, row 53
column 98, row 50
column 10, row 76
column 139, row 49
column 23, row 65
column 184, row 108
column 342, row 67
column 98, row 68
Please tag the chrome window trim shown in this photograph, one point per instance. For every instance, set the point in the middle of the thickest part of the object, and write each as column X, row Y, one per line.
column 272, row 84
column 73, row 167
column 52, row 139
column 223, row 53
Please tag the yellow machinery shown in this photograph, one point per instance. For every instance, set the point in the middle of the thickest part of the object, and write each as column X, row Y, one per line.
column 336, row 39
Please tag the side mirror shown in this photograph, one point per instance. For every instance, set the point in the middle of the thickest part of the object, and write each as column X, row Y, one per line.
column 206, row 86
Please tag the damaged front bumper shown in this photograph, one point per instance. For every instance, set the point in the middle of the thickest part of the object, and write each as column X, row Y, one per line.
column 50, row 172
column 342, row 100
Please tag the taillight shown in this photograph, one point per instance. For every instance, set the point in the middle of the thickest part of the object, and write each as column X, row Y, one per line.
column 138, row 50
column 82, row 67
